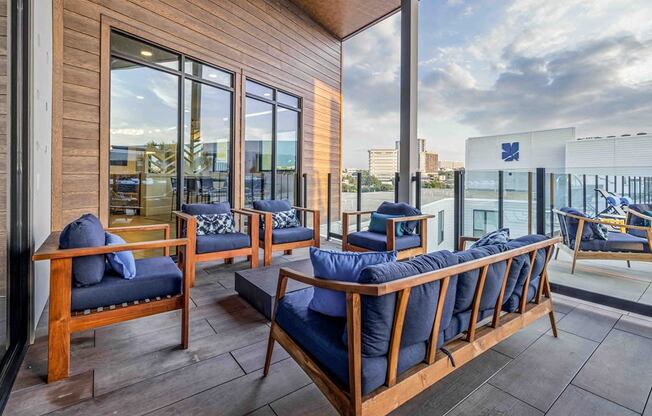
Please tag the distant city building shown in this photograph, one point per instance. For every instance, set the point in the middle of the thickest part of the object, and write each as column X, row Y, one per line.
column 428, row 163
column 383, row 163
column 450, row 164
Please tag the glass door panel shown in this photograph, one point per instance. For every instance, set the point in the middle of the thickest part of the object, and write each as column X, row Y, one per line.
column 287, row 135
column 207, row 143
column 259, row 127
column 144, row 138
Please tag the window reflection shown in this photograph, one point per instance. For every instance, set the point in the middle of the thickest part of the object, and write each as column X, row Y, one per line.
column 143, row 51
column 287, row 134
column 258, row 150
column 207, row 143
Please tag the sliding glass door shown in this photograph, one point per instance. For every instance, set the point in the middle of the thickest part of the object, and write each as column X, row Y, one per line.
column 272, row 130
column 170, row 132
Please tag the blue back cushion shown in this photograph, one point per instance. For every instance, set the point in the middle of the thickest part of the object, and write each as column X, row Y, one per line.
column 121, row 262
column 643, row 209
column 87, row 231
column 400, row 208
column 206, row 209
column 511, row 302
column 378, row 311
column 495, row 237
column 341, row 266
column 572, row 224
column 378, row 223
column 272, row 205
column 467, row 281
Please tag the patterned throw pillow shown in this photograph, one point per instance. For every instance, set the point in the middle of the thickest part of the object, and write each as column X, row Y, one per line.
column 209, row 224
column 495, row 237
column 285, row 219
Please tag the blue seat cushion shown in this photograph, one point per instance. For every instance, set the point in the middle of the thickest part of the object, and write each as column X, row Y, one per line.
column 221, row 242
column 378, row 242
column 638, row 233
column 319, row 335
column 156, row 276
column 401, row 208
column 618, row 242
column 272, row 205
column 206, row 209
column 288, row 235
column 86, row 231
column 340, row 266
column 378, row 311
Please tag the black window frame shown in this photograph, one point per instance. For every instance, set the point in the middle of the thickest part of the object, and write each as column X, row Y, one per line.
column 485, row 213
column 275, row 105
column 440, row 227
column 182, row 77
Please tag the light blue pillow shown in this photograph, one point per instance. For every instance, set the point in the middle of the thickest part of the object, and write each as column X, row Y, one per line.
column 122, row 262
column 378, row 223
column 340, row 266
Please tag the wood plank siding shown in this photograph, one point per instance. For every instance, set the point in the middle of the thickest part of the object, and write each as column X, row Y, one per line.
column 4, row 161
column 272, row 41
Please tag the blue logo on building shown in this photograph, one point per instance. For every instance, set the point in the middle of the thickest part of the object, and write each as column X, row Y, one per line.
column 510, row 152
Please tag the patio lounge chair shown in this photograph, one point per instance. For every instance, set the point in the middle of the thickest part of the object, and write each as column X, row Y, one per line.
column 284, row 239
column 211, row 247
column 158, row 286
column 409, row 324
column 412, row 242
column 639, row 215
column 582, row 241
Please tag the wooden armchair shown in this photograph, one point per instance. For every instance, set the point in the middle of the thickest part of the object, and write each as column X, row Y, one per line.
column 617, row 246
column 65, row 320
column 636, row 217
column 298, row 237
column 406, row 246
column 220, row 246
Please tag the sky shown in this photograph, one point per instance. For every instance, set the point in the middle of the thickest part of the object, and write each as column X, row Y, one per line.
column 497, row 66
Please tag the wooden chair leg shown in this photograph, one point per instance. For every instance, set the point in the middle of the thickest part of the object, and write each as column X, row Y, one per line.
column 59, row 319
column 553, row 323
column 557, row 253
column 268, row 355
column 185, row 319
column 228, row 260
column 629, row 264
column 574, row 263
column 288, row 252
column 267, row 256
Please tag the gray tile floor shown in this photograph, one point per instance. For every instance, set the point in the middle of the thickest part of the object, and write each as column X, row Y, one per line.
column 600, row 365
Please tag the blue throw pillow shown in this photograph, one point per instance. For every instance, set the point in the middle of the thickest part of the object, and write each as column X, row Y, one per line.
column 284, row 219
column 401, row 208
column 378, row 223
column 341, row 266
column 122, row 262
column 86, row 231
column 211, row 224
column 495, row 237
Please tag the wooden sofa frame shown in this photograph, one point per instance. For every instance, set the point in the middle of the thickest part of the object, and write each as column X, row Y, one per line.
column 192, row 258
column 269, row 247
column 578, row 254
column 62, row 322
column 399, row 389
column 391, row 233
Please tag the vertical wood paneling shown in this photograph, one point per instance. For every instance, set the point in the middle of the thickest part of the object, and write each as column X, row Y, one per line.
column 269, row 40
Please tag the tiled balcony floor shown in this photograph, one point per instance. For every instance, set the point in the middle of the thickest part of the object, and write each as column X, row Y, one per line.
column 600, row 365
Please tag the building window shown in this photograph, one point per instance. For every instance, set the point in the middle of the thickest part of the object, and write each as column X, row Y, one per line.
column 171, row 123
column 440, row 227
column 484, row 221
column 272, row 130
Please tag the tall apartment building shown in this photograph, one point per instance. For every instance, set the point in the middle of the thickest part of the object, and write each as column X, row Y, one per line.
column 428, row 163
column 383, row 163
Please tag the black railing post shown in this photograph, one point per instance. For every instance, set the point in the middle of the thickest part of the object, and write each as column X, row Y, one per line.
column 397, row 176
column 570, row 190
column 304, row 196
column 541, row 201
column 458, row 207
column 597, row 185
column 417, row 196
column 552, row 203
column 584, row 192
column 501, row 198
column 358, row 202
column 329, row 203
column 606, row 183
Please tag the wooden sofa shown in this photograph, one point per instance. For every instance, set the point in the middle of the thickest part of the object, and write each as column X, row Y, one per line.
column 485, row 278
column 63, row 320
column 634, row 245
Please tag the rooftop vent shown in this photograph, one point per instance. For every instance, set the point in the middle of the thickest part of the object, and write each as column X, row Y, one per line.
column 641, row 134
column 610, row 137
column 625, row 135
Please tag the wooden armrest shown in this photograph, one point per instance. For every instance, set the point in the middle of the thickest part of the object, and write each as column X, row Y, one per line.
column 242, row 212
column 464, row 240
column 357, row 212
column 305, row 209
column 130, row 228
column 411, row 218
column 340, row 286
column 256, row 211
column 183, row 216
column 639, row 214
column 47, row 253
